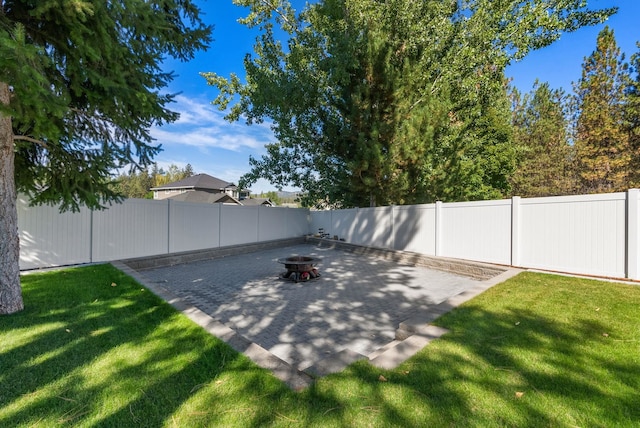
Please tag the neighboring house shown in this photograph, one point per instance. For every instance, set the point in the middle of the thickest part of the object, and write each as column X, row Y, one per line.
column 201, row 183
column 204, row 188
column 257, row 201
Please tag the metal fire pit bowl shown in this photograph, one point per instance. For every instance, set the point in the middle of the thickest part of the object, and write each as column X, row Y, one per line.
column 300, row 268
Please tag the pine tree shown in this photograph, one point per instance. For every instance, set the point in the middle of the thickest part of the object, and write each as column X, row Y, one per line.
column 135, row 184
column 81, row 83
column 603, row 153
column 632, row 117
column 545, row 161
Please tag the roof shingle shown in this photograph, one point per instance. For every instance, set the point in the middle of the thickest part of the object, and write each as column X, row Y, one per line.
column 204, row 197
column 198, row 181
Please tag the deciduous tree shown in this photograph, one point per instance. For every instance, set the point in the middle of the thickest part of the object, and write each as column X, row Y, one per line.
column 80, row 85
column 389, row 102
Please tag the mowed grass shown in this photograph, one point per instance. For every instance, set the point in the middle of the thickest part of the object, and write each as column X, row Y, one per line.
column 94, row 348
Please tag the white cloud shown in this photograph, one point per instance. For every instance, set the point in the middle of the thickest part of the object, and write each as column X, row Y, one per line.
column 196, row 112
column 202, row 138
column 202, row 125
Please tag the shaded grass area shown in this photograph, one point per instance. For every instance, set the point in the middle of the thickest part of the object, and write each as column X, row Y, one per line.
column 94, row 348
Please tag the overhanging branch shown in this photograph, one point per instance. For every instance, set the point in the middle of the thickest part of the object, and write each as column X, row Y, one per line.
column 31, row 140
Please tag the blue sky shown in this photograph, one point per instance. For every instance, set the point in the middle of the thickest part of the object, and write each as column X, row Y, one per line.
column 213, row 146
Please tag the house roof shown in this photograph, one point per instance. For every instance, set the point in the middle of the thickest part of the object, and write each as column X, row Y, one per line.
column 257, row 201
column 198, row 181
column 204, row 197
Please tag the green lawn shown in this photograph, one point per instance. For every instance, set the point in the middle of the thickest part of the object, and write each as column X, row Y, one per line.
column 94, row 348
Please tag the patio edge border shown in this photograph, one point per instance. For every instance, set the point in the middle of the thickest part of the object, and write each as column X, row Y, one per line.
column 476, row 270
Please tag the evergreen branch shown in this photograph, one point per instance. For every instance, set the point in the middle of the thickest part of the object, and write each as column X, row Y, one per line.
column 31, row 140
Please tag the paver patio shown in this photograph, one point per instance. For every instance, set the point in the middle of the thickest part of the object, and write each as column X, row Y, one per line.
column 352, row 311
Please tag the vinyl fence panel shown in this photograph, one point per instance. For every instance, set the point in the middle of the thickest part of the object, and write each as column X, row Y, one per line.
column 296, row 221
column 633, row 234
column 50, row 238
column 238, row 225
column 272, row 223
column 135, row 228
column 193, row 226
column 414, row 228
column 580, row 234
column 321, row 220
column 373, row 227
column 479, row 231
column 281, row 222
column 343, row 224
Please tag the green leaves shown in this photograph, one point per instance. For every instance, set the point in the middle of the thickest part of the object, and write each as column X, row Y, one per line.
column 546, row 161
column 390, row 102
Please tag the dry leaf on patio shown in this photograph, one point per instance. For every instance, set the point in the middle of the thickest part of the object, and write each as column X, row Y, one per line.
column 519, row 394
column 382, row 378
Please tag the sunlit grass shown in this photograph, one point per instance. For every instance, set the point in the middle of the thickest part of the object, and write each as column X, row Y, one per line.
column 94, row 348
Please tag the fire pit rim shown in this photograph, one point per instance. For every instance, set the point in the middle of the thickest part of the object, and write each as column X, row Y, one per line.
column 299, row 260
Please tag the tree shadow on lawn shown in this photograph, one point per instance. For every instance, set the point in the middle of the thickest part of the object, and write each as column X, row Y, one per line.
column 95, row 354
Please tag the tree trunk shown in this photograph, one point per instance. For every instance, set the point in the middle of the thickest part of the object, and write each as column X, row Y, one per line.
column 10, row 291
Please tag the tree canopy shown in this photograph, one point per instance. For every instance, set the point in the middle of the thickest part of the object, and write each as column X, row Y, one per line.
column 81, row 83
column 136, row 184
column 390, row 102
column 542, row 138
column 602, row 145
column 632, row 115
column 86, row 84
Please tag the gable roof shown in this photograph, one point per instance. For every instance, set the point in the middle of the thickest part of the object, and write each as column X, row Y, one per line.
column 204, row 197
column 257, row 201
column 198, row 181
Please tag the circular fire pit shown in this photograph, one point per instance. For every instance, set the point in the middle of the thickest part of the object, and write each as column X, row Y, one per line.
column 300, row 268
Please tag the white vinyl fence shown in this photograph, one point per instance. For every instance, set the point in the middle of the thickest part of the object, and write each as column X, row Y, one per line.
column 588, row 234
column 139, row 227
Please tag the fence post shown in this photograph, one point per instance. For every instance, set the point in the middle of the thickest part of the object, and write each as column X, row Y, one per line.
column 515, row 231
column 632, row 234
column 169, row 226
column 331, row 228
column 438, row 228
column 392, row 241
column 219, row 224
column 258, row 224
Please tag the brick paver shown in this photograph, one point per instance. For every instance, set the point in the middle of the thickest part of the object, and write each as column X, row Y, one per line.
column 355, row 306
